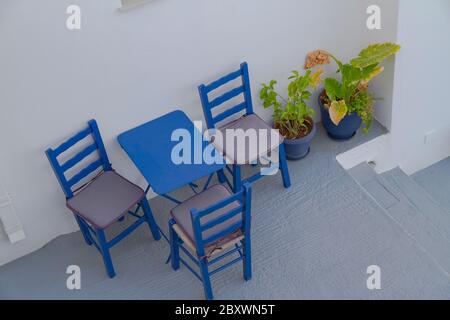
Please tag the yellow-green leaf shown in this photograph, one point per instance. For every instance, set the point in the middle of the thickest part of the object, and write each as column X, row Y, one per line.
column 374, row 54
column 374, row 73
column 337, row 110
column 316, row 78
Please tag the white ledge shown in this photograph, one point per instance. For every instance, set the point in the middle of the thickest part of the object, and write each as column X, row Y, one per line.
column 377, row 152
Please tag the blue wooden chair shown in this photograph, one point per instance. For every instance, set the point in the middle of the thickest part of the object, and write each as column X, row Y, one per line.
column 210, row 226
column 102, row 200
column 244, row 118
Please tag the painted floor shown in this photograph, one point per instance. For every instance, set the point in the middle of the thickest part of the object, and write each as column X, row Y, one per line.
column 436, row 181
column 312, row 241
column 411, row 208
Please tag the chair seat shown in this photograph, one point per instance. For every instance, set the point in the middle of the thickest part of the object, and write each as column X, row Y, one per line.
column 202, row 200
column 105, row 199
column 212, row 249
column 246, row 154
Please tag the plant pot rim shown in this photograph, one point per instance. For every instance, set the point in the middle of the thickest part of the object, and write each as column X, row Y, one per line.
column 313, row 130
column 306, row 138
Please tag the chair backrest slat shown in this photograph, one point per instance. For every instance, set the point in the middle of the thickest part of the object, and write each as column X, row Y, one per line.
column 78, row 157
column 222, row 218
column 243, row 89
column 223, row 80
column 244, row 208
column 227, row 113
column 223, row 233
column 60, row 169
column 72, row 141
column 220, row 204
column 83, row 173
column 227, row 96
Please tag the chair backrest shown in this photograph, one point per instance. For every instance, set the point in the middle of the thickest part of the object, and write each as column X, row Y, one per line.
column 244, row 89
column 100, row 159
column 244, row 209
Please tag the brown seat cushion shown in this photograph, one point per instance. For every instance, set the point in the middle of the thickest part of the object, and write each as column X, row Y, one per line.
column 105, row 199
column 210, row 196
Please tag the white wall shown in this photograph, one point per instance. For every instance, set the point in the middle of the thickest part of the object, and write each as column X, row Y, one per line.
column 382, row 85
column 124, row 68
column 422, row 84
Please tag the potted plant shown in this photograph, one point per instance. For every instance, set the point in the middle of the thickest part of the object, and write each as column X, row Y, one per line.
column 292, row 116
column 346, row 104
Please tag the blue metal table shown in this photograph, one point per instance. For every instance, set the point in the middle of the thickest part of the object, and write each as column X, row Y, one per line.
column 150, row 147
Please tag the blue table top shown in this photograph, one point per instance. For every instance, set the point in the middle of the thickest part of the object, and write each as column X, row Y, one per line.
column 150, row 147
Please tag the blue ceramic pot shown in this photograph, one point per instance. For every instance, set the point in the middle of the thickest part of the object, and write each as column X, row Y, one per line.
column 347, row 127
column 297, row 149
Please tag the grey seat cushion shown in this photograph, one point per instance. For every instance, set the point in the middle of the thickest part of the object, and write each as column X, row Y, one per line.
column 105, row 199
column 242, row 153
column 212, row 195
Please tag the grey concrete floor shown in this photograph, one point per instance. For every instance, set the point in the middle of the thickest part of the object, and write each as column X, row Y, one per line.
column 436, row 181
column 410, row 207
column 312, row 241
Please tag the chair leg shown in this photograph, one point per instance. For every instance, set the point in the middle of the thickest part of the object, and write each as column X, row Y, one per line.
column 105, row 253
column 247, row 259
column 206, row 280
column 174, row 246
column 84, row 230
column 221, row 176
column 150, row 219
column 237, row 183
column 284, row 167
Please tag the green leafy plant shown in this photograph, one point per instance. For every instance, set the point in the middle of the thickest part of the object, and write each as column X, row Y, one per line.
column 292, row 116
column 350, row 95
